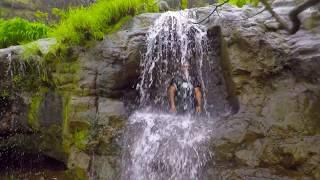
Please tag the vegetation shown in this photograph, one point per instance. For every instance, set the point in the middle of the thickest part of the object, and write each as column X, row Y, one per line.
column 295, row 24
column 93, row 22
column 184, row 4
column 34, row 107
column 77, row 25
column 241, row 3
column 17, row 30
column 58, row 13
column 42, row 16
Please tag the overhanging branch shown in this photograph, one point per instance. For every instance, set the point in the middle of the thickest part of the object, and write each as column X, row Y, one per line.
column 293, row 15
column 214, row 10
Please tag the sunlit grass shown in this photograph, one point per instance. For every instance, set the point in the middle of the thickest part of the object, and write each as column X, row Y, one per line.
column 93, row 22
column 78, row 25
column 184, row 4
column 16, row 31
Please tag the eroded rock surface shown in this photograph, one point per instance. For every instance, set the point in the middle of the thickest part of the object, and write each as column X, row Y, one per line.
column 275, row 133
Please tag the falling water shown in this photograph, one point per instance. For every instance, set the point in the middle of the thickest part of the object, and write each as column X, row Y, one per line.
column 159, row 145
column 9, row 70
column 172, row 40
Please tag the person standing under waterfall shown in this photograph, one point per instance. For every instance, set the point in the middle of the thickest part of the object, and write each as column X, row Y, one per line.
column 184, row 92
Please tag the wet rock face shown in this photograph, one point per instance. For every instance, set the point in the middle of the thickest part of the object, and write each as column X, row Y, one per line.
column 15, row 93
column 108, row 74
column 275, row 133
column 80, row 121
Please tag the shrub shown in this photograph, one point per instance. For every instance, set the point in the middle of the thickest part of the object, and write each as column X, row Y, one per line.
column 16, row 31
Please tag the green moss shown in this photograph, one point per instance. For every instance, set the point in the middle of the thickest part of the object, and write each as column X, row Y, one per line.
column 77, row 173
column 80, row 139
column 77, row 137
column 66, row 79
column 30, row 50
column 4, row 93
column 29, row 75
column 184, row 4
column 65, row 125
column 118, row 25
column 33, row 113
column 64, row 67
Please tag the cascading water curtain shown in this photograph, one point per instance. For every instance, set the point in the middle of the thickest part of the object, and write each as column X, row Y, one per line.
column 172, row 40
column 159, row 145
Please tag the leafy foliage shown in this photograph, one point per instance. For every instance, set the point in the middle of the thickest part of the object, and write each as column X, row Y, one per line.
column 41, row 16
column 58, row 13
column 241, row 3
column 77, row 25
column 86, row 23
column 17, row 30
column 184, row 4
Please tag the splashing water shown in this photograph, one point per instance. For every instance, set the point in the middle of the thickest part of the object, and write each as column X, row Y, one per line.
column 158, row 145
column 173, row 40
column 164, row 146
column 9, row 70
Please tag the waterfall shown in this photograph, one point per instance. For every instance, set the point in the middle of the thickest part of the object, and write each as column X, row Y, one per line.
column 159, row 145
column 9, row 70
column 172, row 40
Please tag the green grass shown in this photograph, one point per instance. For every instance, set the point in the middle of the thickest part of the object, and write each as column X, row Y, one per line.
column 78, row 25
column 184, row 4
column 16, row 31
column 241, row 3
column 93, row 22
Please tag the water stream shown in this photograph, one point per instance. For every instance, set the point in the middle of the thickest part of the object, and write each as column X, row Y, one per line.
column 160, row 145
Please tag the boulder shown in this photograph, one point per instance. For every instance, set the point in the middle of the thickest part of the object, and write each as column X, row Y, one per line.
column 276, row 83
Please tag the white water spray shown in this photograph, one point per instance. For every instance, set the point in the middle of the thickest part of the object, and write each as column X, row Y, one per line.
column 165, row 146
column 173, row 40
column 158, row 145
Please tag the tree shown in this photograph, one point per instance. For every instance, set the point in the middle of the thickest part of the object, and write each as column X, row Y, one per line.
column 292, row 27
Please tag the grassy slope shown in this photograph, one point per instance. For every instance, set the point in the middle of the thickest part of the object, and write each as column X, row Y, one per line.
column 78, row 25
column 82, row 24
column 17, row 30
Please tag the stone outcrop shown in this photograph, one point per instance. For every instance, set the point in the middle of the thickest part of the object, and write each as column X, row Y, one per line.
column 275, row 133
column 84, row 108
column 273, row 76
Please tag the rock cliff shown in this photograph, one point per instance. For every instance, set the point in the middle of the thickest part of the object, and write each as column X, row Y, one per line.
column 273, row 77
